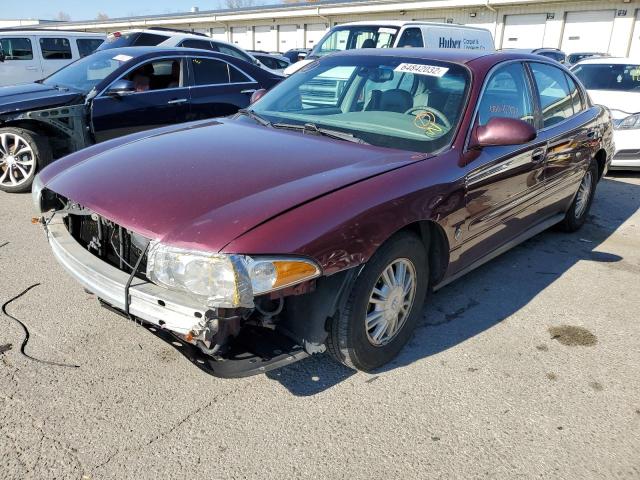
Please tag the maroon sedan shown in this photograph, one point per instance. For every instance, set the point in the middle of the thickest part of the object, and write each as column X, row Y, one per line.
column 320, row 218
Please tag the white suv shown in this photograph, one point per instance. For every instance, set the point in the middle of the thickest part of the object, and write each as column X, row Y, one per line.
column 164, row 37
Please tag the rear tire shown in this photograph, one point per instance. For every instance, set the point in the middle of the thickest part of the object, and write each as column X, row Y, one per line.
column 382, row 298
column 579, row 209
column 22, row 153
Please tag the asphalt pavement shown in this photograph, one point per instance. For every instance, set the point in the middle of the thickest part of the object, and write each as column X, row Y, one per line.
column 528, row 367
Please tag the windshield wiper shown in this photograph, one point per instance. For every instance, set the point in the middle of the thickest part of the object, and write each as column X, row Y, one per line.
column 254, row 116
column 313, row 129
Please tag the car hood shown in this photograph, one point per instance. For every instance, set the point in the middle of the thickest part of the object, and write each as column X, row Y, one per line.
column 34, row 96
column 621, row 103
column 203, row 185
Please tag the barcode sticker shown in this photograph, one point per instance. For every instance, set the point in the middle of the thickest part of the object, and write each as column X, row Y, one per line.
column 420, row 69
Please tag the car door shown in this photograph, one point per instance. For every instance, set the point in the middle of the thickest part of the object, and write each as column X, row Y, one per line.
column 503, row 183
column 219, row 88
column 161, row 98
column 21, row 62
column 567, row 128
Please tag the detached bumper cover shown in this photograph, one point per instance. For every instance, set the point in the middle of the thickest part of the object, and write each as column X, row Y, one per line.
column 149, row 302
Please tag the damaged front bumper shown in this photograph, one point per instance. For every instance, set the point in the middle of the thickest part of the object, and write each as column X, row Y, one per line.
column 168, row 314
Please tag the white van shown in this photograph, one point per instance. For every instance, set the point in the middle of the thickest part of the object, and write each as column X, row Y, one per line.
column 29, row 55
column 397, row 34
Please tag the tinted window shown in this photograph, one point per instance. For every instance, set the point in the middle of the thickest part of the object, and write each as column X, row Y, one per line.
column 118, row 40
column 411, row 37
column 149, row 40
column 576, row 99
column 237, row 76
column 207, row 71
column 268, row 61
column 17, row 48
column 55, row 48
column 555, row 98
column 234, row 52
column 156, row 75
column 620, row 77
column 86, row 46
column 507, row 95
column 190, row 43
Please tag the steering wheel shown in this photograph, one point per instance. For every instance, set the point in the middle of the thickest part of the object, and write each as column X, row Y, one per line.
column 436, row 113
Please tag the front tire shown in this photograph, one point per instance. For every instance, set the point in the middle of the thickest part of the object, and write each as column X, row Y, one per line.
column 383, row 307
column 21, row 153
column 579, row 209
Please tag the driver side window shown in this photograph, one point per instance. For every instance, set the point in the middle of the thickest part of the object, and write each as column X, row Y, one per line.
column 157, row 75
column 507, row 94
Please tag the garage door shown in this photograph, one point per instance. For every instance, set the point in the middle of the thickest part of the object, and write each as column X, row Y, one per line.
column 240, row 37
column 265, row 38
column 315, row 31
column 289, row 38
column 524, row 31
column 635, row 41
column 588, row 31
column 219, row 33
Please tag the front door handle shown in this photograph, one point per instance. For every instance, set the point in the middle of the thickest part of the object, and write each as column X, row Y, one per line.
column 538, row 154
column 176, row 101
column 32, row 68
column 249, row 91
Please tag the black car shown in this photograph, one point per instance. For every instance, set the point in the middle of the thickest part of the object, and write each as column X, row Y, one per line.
column 574, row 58
column 113, row 93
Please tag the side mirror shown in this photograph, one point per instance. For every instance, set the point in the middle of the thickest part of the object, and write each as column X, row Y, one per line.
column 257, row 95
column 500, row 131
column 120, row 88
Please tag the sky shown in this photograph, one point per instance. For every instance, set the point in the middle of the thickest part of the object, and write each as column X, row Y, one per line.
column 89, row 9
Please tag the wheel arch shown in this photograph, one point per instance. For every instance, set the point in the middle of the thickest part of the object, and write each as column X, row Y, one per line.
column 601, row 160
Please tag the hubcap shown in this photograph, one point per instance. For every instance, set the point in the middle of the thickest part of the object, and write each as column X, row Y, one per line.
column 390, row 302
column 582, row 197
column 17, row 160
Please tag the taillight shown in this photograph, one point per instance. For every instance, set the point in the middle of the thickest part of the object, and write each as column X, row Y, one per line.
column 116, row 34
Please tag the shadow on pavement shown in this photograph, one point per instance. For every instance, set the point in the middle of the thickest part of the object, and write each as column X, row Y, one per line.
column 488, row 295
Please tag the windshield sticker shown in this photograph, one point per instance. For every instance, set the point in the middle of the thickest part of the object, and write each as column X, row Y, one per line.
column 391, row 31
column 122, row 58
column 430, row 70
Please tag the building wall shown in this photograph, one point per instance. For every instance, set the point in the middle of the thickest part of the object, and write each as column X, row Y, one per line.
column 611, row 26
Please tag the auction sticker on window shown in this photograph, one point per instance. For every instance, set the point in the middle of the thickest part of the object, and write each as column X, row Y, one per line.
column 420, row 69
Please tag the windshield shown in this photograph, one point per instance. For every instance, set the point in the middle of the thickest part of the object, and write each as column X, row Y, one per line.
column 623, row 78
column 361, row 36
column 410, row 104
column 87, row 72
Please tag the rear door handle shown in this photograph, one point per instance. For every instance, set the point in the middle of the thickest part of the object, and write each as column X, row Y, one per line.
column 249, row 91
column 538, row 154
column 176, row 101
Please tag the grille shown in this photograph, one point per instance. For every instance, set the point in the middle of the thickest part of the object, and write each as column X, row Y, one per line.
column 110, row 242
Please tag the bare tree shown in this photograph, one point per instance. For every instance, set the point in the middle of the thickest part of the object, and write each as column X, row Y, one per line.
column 63, row 16
column 102, row 16
column 234, row 4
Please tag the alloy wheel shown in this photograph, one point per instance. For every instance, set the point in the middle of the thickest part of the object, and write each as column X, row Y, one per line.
column 390, row 302
column 583, row 195
column 17, row 160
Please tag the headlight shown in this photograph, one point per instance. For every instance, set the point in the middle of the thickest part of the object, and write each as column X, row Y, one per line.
column 36, row 193
column 221, row 280
column 628, row 123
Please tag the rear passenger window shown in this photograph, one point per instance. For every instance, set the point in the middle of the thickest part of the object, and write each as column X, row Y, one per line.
column 149, row 40
column 86, row 46
column 55, row 48
column 202, row 44
column 576, row 99
column 555, row 99
column 17, row 48
column 207, row 71
column 411, row 37
column 236, row 76
column 506, row 95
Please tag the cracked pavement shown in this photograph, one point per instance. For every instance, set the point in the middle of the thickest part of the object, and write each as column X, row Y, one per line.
column 484, row 389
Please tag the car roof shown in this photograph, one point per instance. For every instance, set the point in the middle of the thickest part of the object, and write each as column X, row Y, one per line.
column 440, row 54
column 402, row 23
column 140, row 51
column 48, row 33
column 611, row 60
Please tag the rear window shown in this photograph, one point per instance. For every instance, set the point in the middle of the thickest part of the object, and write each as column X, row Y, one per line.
column 138, row 39
column 623, row 78
column 86, row 46
column 149, row 40
column 17, row 48
column 55, row 48
column 191, row 43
